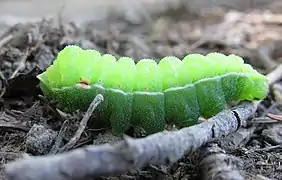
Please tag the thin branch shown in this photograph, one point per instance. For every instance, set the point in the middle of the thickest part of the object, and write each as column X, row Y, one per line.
column 6, row 40
column 21, row 63
column 97, row 100
column 9, row 126
column 3, row 84
column 268, row 149
column 59, row 138
column 275, row 117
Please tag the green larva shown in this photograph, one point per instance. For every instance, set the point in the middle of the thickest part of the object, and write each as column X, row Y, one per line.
column 149, row 94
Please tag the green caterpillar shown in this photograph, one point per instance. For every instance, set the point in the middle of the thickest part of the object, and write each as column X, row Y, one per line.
column 150, row 94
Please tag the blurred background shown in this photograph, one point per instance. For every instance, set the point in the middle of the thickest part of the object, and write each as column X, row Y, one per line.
column 13, row 11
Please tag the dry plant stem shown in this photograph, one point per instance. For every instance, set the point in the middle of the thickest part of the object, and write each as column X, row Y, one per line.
column 59, row 138
column 97, row 100
column 5, row 40
column 22, row 62
column 104, row 160
column 216, row 164
column 268, row 149
column 261, row 177
column 12, row 127
column 275, row 117
column 3, row 84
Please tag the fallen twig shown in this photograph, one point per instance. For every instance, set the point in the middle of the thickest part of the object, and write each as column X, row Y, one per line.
column 97, row 100
column 267, row 149
column 59, row 138
column 215, row 164
column 21, row 63
column 5, row 40
column 8, row 125
column 275, row 117
column 263, row 120
column 3, row 84
column 261, row 177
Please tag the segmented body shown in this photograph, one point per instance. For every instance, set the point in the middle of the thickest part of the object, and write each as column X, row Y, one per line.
column 150, row 94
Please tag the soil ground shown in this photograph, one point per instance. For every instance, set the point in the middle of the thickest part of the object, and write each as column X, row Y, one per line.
column 26, row 49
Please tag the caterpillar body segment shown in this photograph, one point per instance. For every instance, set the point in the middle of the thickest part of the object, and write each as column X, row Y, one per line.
column 150, row 94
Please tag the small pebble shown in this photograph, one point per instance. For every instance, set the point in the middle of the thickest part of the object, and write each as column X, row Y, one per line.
column 39, row 140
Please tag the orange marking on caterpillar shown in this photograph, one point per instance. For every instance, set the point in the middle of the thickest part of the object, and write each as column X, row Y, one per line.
column 84, row 82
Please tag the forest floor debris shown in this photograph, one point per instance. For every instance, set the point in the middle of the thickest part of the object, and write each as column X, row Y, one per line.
column 27, row 49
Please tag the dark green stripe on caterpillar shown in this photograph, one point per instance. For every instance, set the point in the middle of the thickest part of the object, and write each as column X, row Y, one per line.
column 150, row 94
